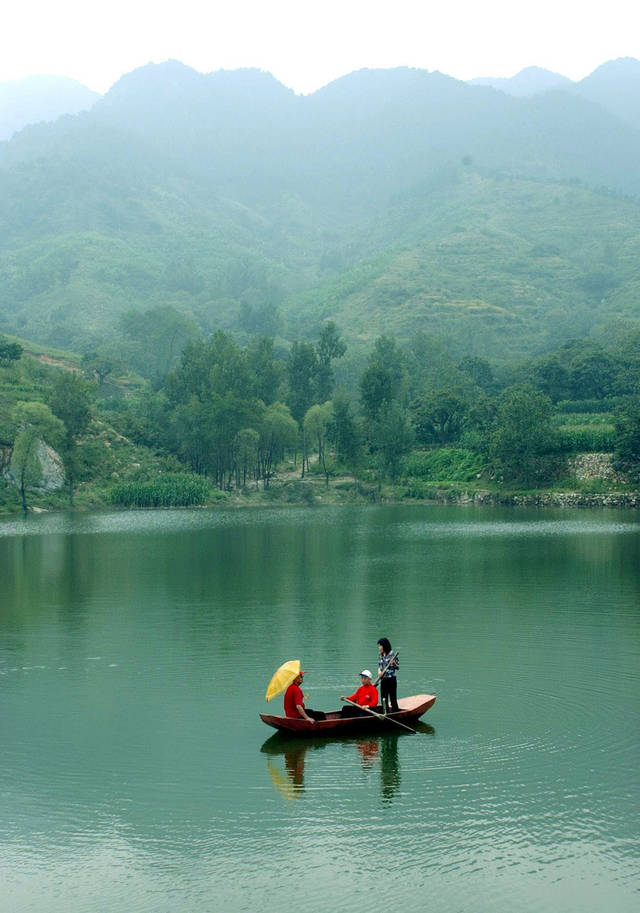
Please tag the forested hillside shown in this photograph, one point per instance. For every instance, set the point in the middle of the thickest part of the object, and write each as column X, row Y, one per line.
column 390, row 201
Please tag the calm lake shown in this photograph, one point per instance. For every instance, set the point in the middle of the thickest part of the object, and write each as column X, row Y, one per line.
column 136, row 775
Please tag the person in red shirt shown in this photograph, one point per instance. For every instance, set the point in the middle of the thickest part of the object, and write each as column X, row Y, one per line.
column 365, row 696
column 294, row 702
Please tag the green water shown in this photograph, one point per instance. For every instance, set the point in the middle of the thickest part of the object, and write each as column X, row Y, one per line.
column 136, row 775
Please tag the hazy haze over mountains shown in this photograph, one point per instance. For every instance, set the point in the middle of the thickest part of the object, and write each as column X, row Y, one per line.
column 390, row 201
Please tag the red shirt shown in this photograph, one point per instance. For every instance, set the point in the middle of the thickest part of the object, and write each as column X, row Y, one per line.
column 366, row 696
column 292, row 697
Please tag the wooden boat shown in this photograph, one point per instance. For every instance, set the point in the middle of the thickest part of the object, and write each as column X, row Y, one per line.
column 411, row 709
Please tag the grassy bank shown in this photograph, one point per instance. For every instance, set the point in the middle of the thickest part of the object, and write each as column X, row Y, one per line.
column 188, row 491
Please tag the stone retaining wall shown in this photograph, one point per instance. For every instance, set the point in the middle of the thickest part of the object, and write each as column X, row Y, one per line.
column 615, row 499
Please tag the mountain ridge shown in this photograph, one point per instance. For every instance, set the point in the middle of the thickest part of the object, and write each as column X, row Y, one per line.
column 226, row 196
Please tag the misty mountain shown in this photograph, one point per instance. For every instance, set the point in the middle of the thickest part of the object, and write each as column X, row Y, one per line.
column 40, row 98
column 231, row 198
column 526, row 83
column 615, row 86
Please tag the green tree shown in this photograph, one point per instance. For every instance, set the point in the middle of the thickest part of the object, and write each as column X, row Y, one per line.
column 330, row 346
column 428, row 365
column 382, row 379
column 207, row 433
column 439, row 417
column 212, row 400
column 551, row 377
column 479, row 370
column 278, row 433
column 99, row 365
column 9, row 351
column 302, row 370
column 317, row 423
column 263, row 317
column 591, row 375
column 392, row 437
column 248, row 441
column 627, row 437
column 344, row 435
column 524, row 443
column 152, row 341
column 34, row 423
column 71, row 400
column 265, row 370
column 478, row 424
column 626, row 350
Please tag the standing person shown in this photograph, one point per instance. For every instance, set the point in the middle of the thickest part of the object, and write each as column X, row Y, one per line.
column 294, row 703
column 365, row 696
column 387, row 664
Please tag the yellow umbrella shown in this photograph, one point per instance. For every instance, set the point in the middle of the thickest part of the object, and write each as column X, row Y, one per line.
column 282, row 678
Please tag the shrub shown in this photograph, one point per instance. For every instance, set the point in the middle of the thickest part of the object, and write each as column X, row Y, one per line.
column 443, row 464
column 588, row 405
column 345, row 486
column 294, row 492
column 586, row 439
column 420, row 491
column 170, row 490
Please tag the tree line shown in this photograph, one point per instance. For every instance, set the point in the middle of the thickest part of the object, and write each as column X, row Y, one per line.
column 231, row 412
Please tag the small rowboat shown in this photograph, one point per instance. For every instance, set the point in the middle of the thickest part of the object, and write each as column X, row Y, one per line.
column 411, row 709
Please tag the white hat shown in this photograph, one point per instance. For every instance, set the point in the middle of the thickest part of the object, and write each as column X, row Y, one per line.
column 366, row 672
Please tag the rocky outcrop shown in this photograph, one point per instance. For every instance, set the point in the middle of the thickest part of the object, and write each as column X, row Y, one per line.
column 52, row 478
column 589, row 466
column 5, row 459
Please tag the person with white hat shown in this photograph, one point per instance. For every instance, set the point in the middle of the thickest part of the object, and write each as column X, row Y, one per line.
column 365, row 696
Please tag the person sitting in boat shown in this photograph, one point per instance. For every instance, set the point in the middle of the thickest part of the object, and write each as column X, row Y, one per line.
column 365, row 696
column 294, row 703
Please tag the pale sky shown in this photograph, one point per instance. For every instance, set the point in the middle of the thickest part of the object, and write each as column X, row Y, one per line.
column 308, row 43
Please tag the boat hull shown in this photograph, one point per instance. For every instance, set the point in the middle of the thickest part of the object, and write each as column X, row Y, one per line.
column 411, row 709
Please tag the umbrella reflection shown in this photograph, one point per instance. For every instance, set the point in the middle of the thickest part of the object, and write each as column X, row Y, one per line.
column 287, row 775
column 289, row 788
column 289, row 782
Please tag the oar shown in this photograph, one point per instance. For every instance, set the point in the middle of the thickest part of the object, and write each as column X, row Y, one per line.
column 380, row 716
column 381, row 673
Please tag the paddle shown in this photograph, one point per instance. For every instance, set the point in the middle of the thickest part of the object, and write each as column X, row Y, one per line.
column 380, row 716
column 394, row 657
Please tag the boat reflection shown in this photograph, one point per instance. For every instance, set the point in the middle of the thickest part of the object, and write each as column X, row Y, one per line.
column 381, row 751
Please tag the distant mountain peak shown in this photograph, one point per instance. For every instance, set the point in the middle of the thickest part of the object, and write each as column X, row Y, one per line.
column 616, row 86
column 620, row 64
column 621, row 71
column 40, row 98
column 157, row 73
column 529, row 81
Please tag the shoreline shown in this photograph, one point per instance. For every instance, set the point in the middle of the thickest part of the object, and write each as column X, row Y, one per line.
column 314, row 494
